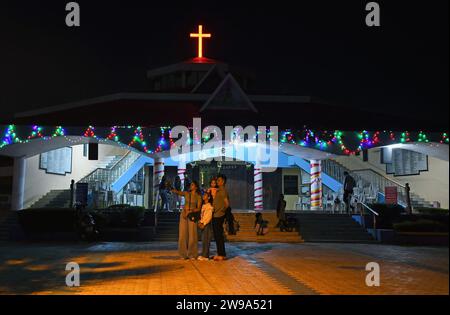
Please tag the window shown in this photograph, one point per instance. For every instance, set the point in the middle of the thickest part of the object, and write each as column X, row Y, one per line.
column 290, row 184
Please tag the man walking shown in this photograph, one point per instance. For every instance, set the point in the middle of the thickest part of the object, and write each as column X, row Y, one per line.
column 349, row 184
column 220, row 205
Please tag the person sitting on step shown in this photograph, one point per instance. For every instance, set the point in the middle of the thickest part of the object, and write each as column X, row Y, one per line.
column 261, row 225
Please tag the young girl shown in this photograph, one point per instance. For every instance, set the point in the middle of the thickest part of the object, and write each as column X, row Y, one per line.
column 212, row 187
column 187, row 239
column 205, row 225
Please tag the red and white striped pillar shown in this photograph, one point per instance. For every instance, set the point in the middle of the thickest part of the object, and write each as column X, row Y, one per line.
column 258, row 187
column 316, row 185
column 158, row 173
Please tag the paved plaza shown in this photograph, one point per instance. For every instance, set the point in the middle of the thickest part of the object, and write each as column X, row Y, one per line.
column 252, row 269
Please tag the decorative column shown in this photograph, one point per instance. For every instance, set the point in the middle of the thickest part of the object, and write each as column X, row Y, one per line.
column 181, row 170
column 18, row 185
column 158, row 173
column 258, row 187
column 147, row 186
column 316, row 185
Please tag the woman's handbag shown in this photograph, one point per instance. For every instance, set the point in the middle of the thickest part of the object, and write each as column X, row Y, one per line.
column 194, row 216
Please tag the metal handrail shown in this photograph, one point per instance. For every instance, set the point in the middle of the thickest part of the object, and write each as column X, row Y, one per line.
column 109, row 170
column 369, row 208
column 104, row 168
column 367, row 176
column 373, row 212
column 121, row 159
column 379, row 174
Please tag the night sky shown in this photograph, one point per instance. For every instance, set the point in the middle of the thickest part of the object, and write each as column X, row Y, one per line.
column 316, row 48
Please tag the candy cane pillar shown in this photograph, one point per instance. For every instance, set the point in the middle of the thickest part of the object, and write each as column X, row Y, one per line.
column 158, row 173
column 258, row 187
column 316, row 185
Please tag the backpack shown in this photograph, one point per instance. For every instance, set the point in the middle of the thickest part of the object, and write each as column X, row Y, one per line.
column 235, row 225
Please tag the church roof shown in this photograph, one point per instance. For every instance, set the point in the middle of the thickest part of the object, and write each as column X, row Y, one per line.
column 219, row 97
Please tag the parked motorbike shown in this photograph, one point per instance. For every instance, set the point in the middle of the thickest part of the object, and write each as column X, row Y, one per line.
column 86, row 225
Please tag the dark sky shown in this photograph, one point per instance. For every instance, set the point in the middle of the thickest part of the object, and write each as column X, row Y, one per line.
column 318, row 48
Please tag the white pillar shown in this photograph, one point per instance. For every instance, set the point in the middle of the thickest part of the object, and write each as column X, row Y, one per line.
column 181, row 170
column 258, row 187
column 158, row 173
column 316, row 185
column 147, row 187
column 18, row 185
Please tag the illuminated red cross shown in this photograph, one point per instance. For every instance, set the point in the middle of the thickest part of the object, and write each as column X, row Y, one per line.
column 200, row 36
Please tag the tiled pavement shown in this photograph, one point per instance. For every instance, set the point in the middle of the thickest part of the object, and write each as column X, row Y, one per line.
column 257, row 269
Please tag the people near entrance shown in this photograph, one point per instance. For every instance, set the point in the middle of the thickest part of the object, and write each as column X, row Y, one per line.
column 177, row 185
column 261, row 225
column 72, row 192
column 220, row 205
column 187, row 239
column 229, row 218
column 408, row 199
column 187, row 182
column 163, row 193
column 336, row 203
column 281, row 208
column 349, row 184
column 205, row 225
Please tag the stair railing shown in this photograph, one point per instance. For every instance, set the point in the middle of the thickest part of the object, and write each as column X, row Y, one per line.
column 110, row 175
column 381, row 182
column 367, row 177
column 362, row 206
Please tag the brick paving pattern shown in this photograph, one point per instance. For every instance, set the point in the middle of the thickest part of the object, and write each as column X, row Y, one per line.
column 252, row 269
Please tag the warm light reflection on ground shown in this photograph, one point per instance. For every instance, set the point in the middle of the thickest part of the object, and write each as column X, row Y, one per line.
column 257, row 269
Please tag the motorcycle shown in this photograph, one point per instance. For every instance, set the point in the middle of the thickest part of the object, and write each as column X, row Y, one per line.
column 86, row 225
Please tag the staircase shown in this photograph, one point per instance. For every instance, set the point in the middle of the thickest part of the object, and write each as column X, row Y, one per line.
column 115, row 168
column 247, row 232
column 336, row 168
column 57, row 198
column 167, row 228
column 60, row 198
column 325, row 227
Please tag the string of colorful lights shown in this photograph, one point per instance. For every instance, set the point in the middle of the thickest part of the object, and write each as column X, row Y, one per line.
column 343, row 141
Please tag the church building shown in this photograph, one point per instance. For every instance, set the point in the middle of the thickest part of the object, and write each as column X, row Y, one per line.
column 118, row 146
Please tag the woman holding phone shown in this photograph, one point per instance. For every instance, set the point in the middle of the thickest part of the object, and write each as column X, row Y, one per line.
column 188, row 239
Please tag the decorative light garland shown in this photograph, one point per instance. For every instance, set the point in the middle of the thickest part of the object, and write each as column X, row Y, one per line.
column 59, row 131
column 322, row 140
column 444, row 138
column 10, row 136
column 405, row 137
column 139, row 138
column 36, row 133
column 89, row 133
column 113, row 135
column 422, row 137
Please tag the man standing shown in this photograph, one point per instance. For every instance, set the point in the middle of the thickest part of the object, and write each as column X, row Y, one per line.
column 349, row 184
column 72, row 191
column 220, row 205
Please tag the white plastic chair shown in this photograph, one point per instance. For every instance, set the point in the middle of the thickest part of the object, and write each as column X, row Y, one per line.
column 329, row 201
column 298, row 204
